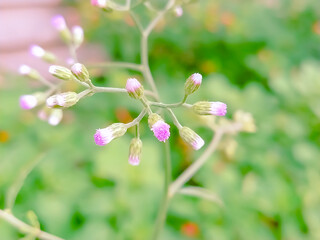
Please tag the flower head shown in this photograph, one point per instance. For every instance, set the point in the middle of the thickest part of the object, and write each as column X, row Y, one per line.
column 37, row 51
column 60, row 72
column 193, row 83
column 55, row 117
column 80, row 72
column 134, row 88
column 210, row 108
column 59, row 23
column 66, row 99
column 190, row 137
column 28, row 101
column 105, row 135
column 99, row 3
column 77, row 33
column 24, row 69
column 161, row 130
column 178, row 11
column 135, row 151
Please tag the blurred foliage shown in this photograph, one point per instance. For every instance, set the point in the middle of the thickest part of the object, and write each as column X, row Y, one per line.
column 258, row 56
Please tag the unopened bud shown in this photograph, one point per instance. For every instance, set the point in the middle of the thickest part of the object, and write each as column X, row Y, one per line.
column 60, row 72
column 192, row 83
column 63, row 100
column 29, row 72
column 190, row 137
column 80, row 72
column 105, row 135
column 135, row 151
column 59, row 23
column 99, row 3
column 161, row 130
column 31, row 101
column 134, row 88
column 210, row 108
column 55, row 117
column 77, row 34
column 246, row 120
column 178, row 11
column 39, row 52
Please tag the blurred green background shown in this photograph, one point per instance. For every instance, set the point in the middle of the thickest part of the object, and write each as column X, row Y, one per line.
column 261, row 56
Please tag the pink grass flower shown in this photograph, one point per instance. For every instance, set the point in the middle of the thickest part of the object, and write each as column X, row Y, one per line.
column 37, row 51
column 59, row 23
column 218, row 108
column 99, row 3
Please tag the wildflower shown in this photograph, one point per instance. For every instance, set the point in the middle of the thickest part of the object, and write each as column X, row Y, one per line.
column 99, row 3
column 66, row 99
column 192, row 83
column 60, row 72
column 210, row 108
column 77, row 33
column 135, row 151
column 28, row 101
column 105, row 135
column 59, row 23
column 160, row 129
column 190, row 137
column 55, row 117
column 134, row 88
column 39, row 52
column 178, row 11
column 25, row 70
column 80, row 72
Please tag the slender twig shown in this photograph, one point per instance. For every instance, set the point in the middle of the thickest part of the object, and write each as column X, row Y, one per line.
column 25, row 228
column 162, row 213
column 132, row 66
column 174, row 118
column 193, row 168
column 137, row 119
column 201, row 193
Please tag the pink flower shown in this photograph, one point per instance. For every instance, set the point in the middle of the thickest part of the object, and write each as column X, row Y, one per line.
column 37, row 51
column 178, row 11
column 28, row 101
column 59, row 23
column 196, row 78
column 197, row 143
column 105, row 135
column 99, row 3
column 161, row 130
column 218, row 108
column 134, row 160
column 134, row 88
column 24, row 69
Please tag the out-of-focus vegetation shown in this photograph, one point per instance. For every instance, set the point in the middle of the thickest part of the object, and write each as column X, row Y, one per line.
column 258, row 56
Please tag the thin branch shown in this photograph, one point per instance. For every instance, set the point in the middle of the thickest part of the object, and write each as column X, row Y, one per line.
column 193, row 168
column 174, row 118
column 132, row 66
column 201, row 193
column 25, row 228
column 137, row 119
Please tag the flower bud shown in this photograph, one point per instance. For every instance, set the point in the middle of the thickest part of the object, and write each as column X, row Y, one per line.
column 210, row 108
column 246, row 120
column 77, row 34
column 192, row 83
column 66, row 99
column 55, row 117
column 59, row 23
column 160, row 129
column 29, row 72
column 105, row 135
column 80, row 72
column 134, row 88
column 39, row 52
column 135, row 151
column 99, row 3
column 60, row 72
column 190, row 137
column 178, row 11
column 31, row 101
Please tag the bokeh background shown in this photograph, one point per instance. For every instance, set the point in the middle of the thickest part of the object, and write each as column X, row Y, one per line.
column 261, row 56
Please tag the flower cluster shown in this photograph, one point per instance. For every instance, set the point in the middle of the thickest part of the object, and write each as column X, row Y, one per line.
column 52, row 102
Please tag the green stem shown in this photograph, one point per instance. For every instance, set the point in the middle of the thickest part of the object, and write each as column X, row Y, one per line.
column 162, row 213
